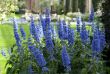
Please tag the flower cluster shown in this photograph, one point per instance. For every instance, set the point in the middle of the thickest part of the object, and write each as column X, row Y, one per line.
column 98, row 42
column 70, row 36
column 48, row 40
column 78, row 23
column 47, row 30
column 43, row 35
column 23, row 34
column 61, row 30
column 91, row 16
column 16, row 35
column 65, row 59
column 34, row 30
column 38, row 56
column 84, row 34
column 65, row 27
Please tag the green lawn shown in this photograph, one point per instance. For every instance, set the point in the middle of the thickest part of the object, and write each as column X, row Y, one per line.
column 2, row 64
column 7, row 40
column 7, row 35
column 2, row 59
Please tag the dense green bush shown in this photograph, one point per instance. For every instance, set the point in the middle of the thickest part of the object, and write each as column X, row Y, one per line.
column 28, row 51
column 106, row 21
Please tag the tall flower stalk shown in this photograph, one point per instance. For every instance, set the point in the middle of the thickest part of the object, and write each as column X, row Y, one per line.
column 16, row 35
column 78, row 23
column 91, row 16
column 70, row 37
column 34, row 30
column 65, row 27
column 23, row 34
column 98, row 42
column 38, row 57
column 84, row 34
column 65, row 59
column 61, row 30
column 47, row 30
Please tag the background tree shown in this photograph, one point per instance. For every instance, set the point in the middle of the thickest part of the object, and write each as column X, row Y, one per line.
column 106, row 20
column 44, row 4
column 67, row 3
column 95, row 4
column 60, row 7
column 82, row 6
column 6, row 6
column 74, row 5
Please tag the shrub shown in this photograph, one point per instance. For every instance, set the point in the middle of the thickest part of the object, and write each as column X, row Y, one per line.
column 56, row 48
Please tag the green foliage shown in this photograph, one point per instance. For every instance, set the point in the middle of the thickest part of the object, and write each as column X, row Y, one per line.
column 82, row 61
column 96, row 4
column 106, row 21
column 44, row 4
column 21, row 4
column 85, row 17
column 6, row 6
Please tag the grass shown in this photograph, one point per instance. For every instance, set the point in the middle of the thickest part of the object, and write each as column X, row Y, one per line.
column 2, row 59
column 7, row 40
column 2, row 64
column 7, row 36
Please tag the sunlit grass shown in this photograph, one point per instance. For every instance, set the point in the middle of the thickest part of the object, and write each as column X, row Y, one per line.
column 7, row 36
column 2, row 64
column 2, row 59
column 7, row 40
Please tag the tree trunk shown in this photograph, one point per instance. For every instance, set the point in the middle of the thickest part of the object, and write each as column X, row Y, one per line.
column 82, row 6
column 70, row 6
column 67, row 3
column 88, row 4
column 74, row 5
